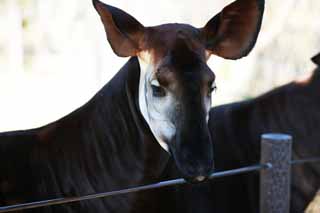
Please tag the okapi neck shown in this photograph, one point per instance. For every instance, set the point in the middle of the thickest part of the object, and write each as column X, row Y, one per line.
column 126, row 133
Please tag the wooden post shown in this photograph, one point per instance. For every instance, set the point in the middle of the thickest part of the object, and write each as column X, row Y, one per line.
column 275, row 182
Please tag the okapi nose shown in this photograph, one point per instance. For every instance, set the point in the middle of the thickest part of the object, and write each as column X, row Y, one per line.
column 197, row 179
column 199, row 175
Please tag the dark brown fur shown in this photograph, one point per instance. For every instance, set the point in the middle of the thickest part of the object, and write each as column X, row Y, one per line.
column 106, row 144
column 236, row 129
column 183, row 50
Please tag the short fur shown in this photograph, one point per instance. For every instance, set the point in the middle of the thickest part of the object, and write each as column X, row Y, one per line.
column 182, row 50
column 84, row 153
column 236, row 129
column 107, row 144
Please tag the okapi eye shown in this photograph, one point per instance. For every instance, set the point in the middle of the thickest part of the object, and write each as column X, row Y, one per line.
column 157, row 90
column 213, row 87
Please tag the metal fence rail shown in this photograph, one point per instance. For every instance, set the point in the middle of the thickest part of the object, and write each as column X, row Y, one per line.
column 275, row 160
column 180, row 181
column 306, row 160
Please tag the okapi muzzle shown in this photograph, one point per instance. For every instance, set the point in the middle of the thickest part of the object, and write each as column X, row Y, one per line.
column 175, row 82
column 192, row 148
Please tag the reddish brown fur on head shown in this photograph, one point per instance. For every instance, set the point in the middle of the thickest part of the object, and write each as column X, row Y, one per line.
column 230, row 34
column 175, row 81
column 163, row 39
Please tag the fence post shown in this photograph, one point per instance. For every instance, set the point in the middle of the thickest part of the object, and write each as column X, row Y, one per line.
column 275, row 182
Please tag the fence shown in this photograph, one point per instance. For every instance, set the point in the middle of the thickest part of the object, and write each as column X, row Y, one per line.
column 275, row 167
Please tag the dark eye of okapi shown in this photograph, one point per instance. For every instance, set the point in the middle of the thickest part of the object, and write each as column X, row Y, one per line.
column 158, row 91
column 212, row 88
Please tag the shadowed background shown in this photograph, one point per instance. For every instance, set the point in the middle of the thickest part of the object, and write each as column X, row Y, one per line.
column 54, row 55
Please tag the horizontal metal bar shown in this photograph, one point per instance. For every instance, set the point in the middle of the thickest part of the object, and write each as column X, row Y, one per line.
column 303, row 161
column 180, row 181
column 241, row 170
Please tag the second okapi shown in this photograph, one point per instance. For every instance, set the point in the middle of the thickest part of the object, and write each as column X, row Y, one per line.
column 236, row 129
column 158, row 103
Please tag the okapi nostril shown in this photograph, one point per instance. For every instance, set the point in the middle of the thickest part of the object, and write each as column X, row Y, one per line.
column 197, row 179
column 200, row 178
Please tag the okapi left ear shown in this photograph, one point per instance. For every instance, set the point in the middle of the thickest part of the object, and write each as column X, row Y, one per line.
column 124, row 32
column 233, row 32
column 316, row 59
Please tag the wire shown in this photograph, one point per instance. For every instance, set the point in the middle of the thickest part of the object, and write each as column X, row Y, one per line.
column 180, row 181
column 303, row 161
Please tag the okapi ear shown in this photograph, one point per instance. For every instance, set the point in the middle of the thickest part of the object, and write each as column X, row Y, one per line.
column 233, row 32
column 124, row 32
column 316, row 59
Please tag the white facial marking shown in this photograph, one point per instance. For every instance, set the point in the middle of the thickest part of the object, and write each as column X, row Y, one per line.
column 156, row 83
column 208, row 106
column 155, row 110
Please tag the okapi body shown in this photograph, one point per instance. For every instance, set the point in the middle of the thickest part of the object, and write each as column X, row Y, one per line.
column 236, row 130
column 103, row 146
column 157, row 104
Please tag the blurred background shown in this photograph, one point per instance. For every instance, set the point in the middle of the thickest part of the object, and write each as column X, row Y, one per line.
column 54, row 55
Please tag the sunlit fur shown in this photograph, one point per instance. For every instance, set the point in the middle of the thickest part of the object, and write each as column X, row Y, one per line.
column 106, row 144
column 156, row 112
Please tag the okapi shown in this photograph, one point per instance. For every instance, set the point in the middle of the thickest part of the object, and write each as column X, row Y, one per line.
column 236, row 129
column 162, row 95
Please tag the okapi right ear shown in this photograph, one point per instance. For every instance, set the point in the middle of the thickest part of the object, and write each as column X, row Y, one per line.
column 124, row 32
column 316, row 59
column 233, row 32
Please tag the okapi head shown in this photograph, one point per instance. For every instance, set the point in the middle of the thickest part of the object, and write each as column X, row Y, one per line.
column 175, row 81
